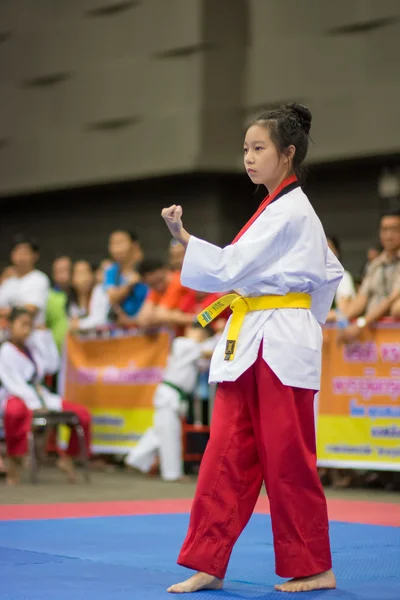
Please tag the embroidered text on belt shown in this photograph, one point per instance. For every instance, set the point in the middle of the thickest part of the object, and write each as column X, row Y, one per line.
column 241, row 306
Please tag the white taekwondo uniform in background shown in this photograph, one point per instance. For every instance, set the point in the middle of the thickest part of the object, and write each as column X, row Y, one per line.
column 19, row 374
column 22, row 371
column 165, row 437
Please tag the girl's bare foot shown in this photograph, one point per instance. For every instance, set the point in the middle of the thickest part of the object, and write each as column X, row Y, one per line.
column 66, row 465
column 14, row 470
column 199, row 581
column 322, row 581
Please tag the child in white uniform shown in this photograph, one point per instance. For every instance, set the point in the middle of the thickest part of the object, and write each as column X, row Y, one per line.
column 25, row 359
column 180, row 377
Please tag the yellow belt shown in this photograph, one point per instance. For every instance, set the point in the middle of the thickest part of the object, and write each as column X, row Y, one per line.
column 241, row 306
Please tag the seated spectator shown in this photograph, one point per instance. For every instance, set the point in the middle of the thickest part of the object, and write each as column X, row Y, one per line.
column 346, row 290
column 162, row 303
column 379, row 295
column 125, row 291
column 176, row 254
column 24, row 361
column 29, row 287
column 373, row 252
column 56, row 313
column 88, row 305
column 165, row 437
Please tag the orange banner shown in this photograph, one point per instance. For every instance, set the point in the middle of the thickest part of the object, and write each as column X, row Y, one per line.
column 358, row 423
column 116, row 379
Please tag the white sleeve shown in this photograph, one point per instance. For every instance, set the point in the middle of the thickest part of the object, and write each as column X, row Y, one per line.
column 43, row 347
column 98, row 309
column 38, row 292
column 208, row 268
column 322, row 298
column 13, row 382
column 346, row 288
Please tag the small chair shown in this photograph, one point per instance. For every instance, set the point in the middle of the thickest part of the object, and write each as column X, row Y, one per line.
column 189, row 430
column 55, row 419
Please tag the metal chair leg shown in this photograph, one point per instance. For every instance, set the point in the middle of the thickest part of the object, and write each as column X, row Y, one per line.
column 32, row 457
column 83, row 451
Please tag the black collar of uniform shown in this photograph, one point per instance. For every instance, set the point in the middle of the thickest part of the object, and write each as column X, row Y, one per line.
column 288, row 188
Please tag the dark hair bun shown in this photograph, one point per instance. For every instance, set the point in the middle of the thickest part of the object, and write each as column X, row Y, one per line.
column 303, row 114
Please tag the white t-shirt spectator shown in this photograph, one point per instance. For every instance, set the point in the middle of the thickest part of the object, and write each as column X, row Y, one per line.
column 32, row 288
column 99, row 307
column 346, row 288
column 96, row 316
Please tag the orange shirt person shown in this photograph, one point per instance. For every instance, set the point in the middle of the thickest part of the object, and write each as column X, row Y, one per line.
column 161, row 306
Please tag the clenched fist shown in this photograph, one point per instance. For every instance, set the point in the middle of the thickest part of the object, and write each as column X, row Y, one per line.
column 173, row 218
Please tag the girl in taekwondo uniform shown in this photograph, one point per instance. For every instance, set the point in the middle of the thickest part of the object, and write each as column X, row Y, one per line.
column 25, row 359
column 267, row 364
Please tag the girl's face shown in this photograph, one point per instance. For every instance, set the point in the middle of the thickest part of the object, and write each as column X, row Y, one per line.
column 21, row 328
column 262, row 160
column 82, row 276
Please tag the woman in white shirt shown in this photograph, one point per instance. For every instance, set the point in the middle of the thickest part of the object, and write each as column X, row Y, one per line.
column 267, row 364
column 88, row 304
column 25, row 359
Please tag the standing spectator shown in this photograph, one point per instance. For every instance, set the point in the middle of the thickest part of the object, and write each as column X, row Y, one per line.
column 379, row 295
column 61, row 273
column 56, row 314
column 29, row 287
column 125, row 291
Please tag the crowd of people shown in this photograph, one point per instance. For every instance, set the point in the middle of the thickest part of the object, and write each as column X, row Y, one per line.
column 378, row 293
column 358, row 305
column 127, row 289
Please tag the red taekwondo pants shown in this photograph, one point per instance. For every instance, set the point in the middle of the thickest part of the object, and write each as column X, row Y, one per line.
column 261, row 431
column 18, row 422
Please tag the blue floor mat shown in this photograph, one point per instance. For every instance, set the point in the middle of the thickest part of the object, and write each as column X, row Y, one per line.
column 118, row 558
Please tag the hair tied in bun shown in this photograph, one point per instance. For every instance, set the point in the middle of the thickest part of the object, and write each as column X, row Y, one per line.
column 303, row 115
